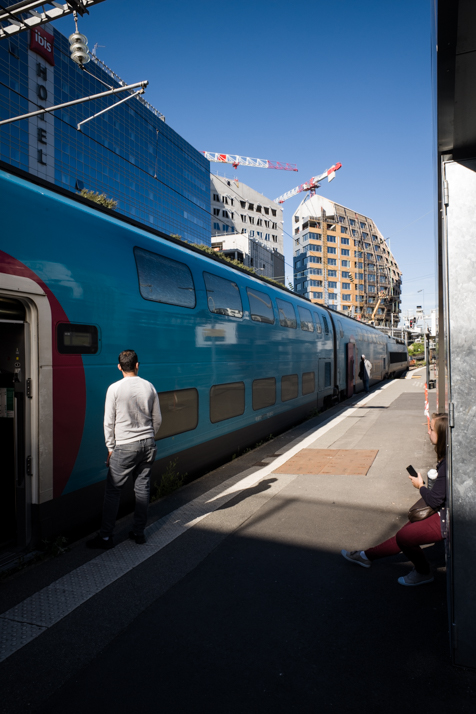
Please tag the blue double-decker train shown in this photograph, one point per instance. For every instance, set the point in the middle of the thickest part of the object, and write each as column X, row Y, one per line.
column 233, row 357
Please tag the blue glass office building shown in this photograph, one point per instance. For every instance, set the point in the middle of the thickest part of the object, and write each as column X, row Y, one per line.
column 130, row 153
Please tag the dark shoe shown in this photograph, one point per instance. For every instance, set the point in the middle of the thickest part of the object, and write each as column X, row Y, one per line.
column 100, row 543
column 139, row 539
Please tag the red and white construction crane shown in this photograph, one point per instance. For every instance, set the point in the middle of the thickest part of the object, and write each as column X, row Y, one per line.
column 236, row 161
column 311, row 185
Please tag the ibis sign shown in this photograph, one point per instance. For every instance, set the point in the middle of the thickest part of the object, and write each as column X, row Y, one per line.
column 42, row 43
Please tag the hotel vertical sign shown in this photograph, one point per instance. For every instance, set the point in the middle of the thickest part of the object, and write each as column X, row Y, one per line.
column 41, row 93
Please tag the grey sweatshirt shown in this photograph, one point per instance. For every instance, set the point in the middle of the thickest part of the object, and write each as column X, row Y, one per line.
column 132, row 412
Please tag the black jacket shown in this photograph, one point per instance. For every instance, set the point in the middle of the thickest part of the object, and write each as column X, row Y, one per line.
column 436, row 498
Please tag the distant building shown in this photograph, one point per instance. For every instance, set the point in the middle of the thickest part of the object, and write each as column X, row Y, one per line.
column 250, row 252
column 342, row 260
column 246, row 221
column 129, row 153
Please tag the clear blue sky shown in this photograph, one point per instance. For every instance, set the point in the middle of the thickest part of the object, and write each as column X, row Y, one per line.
column 310, row 84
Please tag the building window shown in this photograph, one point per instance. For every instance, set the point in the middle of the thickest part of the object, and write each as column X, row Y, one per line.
column 164, row 280
column 344, row 251
column 216, row 211
column 243, row 204
column 264, row 393
column 317, row 295
column 332, row 273
column 332, row 284
column 346, row 297
column 345, row 286
column 266, row 210
column 223, row 296
column 363, row 225
column 251, row 207
column 345, row 263
column 251, row 220
column 227, row 401
column 331, row 239
column 332, row 261
column 331, row 249
column 344, row 241
column 371, row 288
column 225, row 214
column 179, row 412
column 273, row 211
column 341, row 219
column 343, row 229
column 259, row 222
column 275, row 239
column 216, row 226
column 243, row 218
column 364, row 235
column 216, row 197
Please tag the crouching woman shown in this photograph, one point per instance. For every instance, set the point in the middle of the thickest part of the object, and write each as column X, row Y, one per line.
column 413, row 535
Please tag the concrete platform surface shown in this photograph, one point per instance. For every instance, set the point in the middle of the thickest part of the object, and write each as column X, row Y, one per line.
column 241, row 601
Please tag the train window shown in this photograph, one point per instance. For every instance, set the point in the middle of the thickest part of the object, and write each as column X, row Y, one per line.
column 164, row 280
column 264, row 393
column 308, row 383
column 76, row 339
column 261, row 307
column 289, row 387
column 317, row 323
column 227, row 401
column 223, row 296
column 179, row 412
column 305, row 319
column 287, row 316
column 326, row 325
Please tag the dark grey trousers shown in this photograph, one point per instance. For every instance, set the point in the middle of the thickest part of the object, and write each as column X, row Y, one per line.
column 136, row 460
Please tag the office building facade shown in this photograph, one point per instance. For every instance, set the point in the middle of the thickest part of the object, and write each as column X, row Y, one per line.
column 129, row 153
column 238, row 209
column 342, row 260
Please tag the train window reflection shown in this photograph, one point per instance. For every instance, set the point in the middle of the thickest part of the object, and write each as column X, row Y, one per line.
column 305, row 319
column 261, row 307
column 287, row 316
column 179, row 412
column 223, row 296
column 227, row 401
column 317, row 323
column 308, row 383
column 164, row 280
column 326, row 325
column 264, row 393
column 289, row 387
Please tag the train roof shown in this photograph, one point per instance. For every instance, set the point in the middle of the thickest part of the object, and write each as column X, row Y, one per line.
column 36, row 180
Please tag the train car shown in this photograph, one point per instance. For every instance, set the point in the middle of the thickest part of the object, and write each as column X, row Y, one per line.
column 233, row 357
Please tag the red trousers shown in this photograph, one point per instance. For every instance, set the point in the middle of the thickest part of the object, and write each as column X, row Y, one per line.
column 408, row 541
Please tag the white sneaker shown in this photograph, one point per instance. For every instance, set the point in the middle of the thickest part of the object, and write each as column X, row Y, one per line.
column 415, row 578
column 355, row 557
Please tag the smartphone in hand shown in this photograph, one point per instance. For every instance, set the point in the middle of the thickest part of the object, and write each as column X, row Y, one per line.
column 412, row 471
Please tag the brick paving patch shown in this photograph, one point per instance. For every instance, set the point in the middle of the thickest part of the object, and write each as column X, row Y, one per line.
column 330, row 462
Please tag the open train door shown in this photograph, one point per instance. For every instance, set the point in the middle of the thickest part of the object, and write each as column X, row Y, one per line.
column 350, row 368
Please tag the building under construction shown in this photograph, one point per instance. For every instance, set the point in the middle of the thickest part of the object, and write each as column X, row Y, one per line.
column 342, row 260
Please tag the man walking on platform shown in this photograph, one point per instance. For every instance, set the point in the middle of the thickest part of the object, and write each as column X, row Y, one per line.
column 364, row 372
column 131, row 419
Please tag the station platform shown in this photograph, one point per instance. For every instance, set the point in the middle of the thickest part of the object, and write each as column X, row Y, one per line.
column 240, row 601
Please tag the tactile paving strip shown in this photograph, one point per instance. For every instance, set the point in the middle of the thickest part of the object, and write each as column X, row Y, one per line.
column 22, row 623
column 331, row 462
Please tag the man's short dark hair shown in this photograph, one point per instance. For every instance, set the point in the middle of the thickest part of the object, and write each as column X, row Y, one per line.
column 128, row 360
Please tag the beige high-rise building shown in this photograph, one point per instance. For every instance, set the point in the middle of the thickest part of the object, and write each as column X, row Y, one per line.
column 342, row 260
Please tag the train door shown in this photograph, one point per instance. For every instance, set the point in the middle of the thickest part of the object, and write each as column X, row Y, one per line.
column 350, row 368
column 14, row 393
